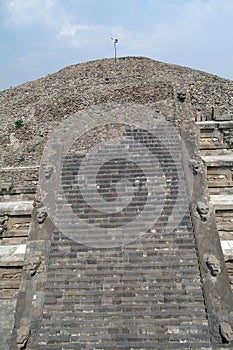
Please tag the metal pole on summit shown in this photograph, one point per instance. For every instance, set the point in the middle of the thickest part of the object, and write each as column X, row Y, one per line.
column 115, row 41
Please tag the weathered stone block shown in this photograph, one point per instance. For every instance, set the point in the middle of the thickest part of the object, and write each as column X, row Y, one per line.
column 222, row 113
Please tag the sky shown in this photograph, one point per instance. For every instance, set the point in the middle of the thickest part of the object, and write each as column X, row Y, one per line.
column 39, row 37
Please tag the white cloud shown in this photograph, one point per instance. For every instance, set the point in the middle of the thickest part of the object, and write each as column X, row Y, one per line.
column 83, row 35
column 27, row 12
column 191, row 27
column 71, row 30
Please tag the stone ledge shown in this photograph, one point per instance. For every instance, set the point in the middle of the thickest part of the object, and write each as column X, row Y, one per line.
column 21, row 168
column 227, row 245
column 210, row 124
column 222, row 201
column 218, row 160
column 227, row 248
column 12, row 255
column 16, row 208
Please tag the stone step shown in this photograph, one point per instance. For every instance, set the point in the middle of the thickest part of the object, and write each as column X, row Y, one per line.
column 160, row 343
column 169, row 263
column 185, row 266
column 69, row 326
column 172, row 300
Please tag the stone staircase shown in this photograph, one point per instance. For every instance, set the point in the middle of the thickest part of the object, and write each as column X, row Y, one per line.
column 17, row 191
column 146, row 294
column 216, row 146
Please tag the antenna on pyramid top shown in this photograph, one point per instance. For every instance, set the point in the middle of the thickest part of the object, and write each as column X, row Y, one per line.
column 115, row 41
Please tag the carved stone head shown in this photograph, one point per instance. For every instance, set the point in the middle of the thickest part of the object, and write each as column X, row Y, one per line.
column 48, row 172
column 32, row 266
column 213, row 265
column 41, row 216
column 23, row 333
column 226, row 331
column 203, row 210
column 228, row 137
column 195, row 165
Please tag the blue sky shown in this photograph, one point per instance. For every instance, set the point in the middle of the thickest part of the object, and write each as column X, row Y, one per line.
column 42, row 36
